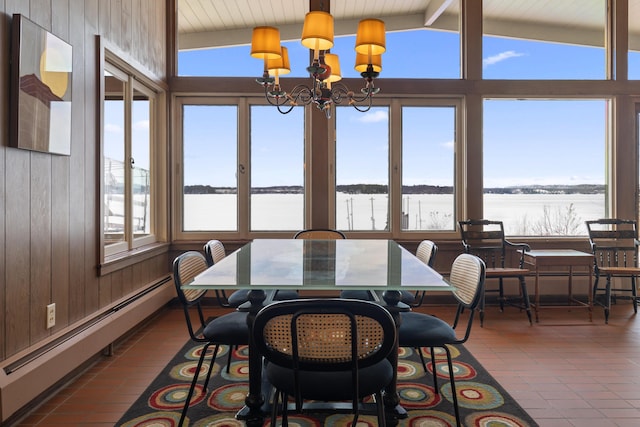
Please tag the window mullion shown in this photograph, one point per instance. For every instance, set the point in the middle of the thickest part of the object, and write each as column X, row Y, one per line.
column 243, row 168
column 129, row 163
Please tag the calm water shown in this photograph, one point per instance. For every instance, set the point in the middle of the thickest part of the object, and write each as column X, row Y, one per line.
column 522, row 214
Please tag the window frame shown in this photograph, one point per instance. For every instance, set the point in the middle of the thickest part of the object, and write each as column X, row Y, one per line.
column 244, row 105
column 243, row 232
column 179, row 101
column 133, row 248
column 608, row 147
column 395, row 106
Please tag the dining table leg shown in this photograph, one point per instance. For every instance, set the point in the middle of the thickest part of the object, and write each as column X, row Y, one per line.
column 252, row 413
column 394, row 412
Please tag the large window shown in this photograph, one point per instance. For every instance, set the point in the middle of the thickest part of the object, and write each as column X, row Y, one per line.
column 277, row 169
column 240, row 177
column 428, row 168
column 210, row 159
column 129, row 118
column 535, row 131
column 550, row 40
column 634, row 40
column 370, row 191
column 544, row 165
column 362, row 181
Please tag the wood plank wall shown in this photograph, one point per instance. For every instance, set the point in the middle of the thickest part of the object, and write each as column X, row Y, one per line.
column 49, row 227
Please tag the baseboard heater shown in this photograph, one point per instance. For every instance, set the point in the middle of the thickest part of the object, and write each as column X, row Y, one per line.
column 26, row 379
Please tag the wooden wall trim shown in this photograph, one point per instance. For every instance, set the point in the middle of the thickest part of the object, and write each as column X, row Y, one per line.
column 27, row 383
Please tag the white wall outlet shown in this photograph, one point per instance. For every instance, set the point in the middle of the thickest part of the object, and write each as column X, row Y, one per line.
column 51, row 315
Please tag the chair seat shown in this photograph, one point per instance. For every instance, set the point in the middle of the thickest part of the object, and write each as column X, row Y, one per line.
column 282, row 295
column 424, row 330
column 231, row 329
column 330, row 385
column 506, row 272
column 239, row 297
column 406, row 297
column 361, row 295
column 631, row 271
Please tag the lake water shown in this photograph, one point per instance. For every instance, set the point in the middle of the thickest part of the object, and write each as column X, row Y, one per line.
column 522, row 214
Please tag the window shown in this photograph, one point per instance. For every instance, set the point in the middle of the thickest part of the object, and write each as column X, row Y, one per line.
column 428, row 168
column 405, row 182
column 362, row 181
column 239, row 178
column 210, row 159
column 439, row 30
column 544, row 165
column 129, row 116
column 515, row 49
column 634, row 40
column 277, row 169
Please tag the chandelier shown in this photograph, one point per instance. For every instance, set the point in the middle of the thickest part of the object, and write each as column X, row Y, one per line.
column 325, row 88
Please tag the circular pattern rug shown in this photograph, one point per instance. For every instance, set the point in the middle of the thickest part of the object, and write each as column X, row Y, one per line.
column 482, row 401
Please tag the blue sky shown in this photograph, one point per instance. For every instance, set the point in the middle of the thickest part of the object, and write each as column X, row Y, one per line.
column 513, row 129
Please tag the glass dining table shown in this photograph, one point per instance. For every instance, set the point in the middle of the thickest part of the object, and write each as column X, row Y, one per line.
column 265, row 266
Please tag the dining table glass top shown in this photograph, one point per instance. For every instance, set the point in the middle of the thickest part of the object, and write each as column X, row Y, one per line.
column 321, row 265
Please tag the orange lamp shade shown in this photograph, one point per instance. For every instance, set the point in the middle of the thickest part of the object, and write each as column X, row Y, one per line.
column 317, row 31
column 362, row 61
column 279, row 66
column 265, row 43
column 333, row 62
column 370, row 38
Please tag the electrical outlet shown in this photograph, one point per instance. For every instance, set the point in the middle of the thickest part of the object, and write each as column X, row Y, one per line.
column 51, row 315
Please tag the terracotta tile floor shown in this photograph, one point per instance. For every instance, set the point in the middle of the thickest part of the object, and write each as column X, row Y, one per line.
column 565, row 371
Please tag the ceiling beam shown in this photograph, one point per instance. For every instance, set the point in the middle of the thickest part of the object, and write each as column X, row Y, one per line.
column 242, row 36
column 434, row 10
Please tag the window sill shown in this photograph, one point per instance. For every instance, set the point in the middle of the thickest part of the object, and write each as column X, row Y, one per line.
column 125, row 259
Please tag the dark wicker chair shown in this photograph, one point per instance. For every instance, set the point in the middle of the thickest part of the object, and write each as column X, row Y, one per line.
column 426, row 252
column 327, row 350
column 486, row 239
column 419, row 330
column 214, row 252
column 319, row 233
column 614, row 243
column 229, row 329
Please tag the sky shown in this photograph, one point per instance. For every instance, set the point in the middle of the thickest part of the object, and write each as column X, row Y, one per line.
column 511, row 127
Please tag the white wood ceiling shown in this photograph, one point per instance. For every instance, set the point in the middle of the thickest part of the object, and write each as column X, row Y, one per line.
column 210, row 23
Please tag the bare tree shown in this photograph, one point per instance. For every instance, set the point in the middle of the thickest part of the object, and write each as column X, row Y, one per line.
column 561, row 222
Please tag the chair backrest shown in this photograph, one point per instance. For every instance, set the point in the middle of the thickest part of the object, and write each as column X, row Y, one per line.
column 485, row 239
column 614, row 242
column 214, row 251
column 320, row 233
column 185, row 267
column 426, row 252
column 324, row 334
column 467, row 276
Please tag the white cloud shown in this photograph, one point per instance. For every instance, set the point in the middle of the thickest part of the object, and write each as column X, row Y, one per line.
column 374, row 117
column 448, row 145
column 503, row 56
column 112, row 128
column 141, row 125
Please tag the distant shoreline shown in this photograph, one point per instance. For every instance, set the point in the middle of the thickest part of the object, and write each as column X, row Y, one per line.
column 407, row 189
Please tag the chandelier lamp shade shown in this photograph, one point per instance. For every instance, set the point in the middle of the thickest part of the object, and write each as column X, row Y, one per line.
column 326, row 88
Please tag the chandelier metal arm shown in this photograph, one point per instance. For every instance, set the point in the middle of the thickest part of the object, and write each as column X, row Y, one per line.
column 279, row 98
column 340, row 92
